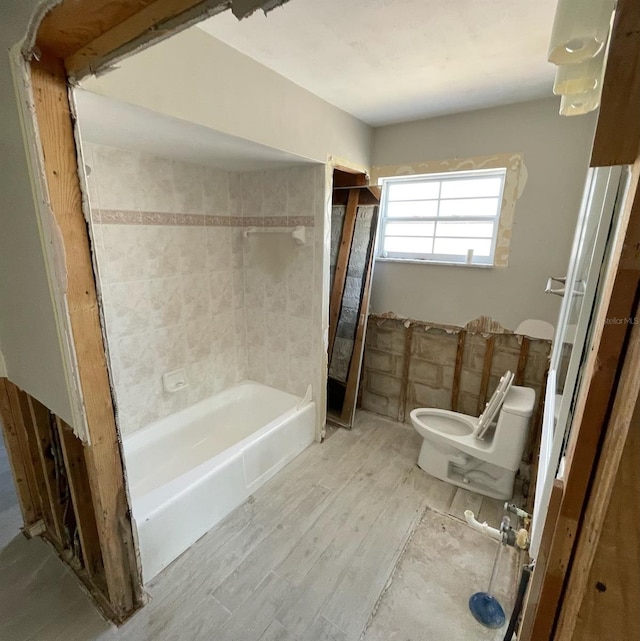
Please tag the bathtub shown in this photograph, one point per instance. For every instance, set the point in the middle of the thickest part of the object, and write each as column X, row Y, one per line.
column 189, row 470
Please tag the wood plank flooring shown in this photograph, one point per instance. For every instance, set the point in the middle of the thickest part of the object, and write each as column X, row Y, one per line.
column 307, row 558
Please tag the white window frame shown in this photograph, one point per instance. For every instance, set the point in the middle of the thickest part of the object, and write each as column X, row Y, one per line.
column 432, row 258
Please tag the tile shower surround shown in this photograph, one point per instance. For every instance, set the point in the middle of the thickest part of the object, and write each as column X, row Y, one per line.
column 188, row 290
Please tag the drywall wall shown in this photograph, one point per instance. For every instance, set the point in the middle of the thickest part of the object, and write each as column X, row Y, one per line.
column 28, row 329
column 556, row 155
column 197, row 78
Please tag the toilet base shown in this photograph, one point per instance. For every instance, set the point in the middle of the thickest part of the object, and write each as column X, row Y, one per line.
column 463, row 470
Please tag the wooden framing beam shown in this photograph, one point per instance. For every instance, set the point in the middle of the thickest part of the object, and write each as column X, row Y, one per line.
column 20, row 455
column 486, row 372
column 593, row 406
column 149, row 20
column 74, row 459
column 406, row 365
column 349, row 404
column 522, row 361
column 457, row 369
column 103, row 457
column 611, row 453
column 40, row 419
column 536, row 612
column 617, row 139
column 342, row 265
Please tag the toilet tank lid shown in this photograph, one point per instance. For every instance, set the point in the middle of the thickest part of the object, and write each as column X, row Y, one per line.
column 520, row 401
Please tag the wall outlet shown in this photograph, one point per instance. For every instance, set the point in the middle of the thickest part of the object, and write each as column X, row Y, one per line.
column 175, row 381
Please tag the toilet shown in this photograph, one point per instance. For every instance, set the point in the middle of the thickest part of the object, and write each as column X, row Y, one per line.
column 476, row 452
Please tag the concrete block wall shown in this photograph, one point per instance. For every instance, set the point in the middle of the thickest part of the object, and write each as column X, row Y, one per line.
column 431, row 358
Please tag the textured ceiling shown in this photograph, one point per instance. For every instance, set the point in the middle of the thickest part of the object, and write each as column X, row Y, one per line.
column 388, row 61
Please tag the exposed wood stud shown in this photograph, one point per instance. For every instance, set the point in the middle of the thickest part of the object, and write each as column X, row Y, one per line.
column 404, row 384
column 457, row 371
column 486, row 372
column 348, row 407
column 148, row 19
column 611, row 453
column 593, row 404
column 617, row 139
column 522, row 361
column 73, row 452
column 39, row 417
column 15, row 435
column 103, row 457
column 342, row 265
column 534, row 609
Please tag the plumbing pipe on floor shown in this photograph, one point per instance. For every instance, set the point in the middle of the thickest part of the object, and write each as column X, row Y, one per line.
column 491, row 532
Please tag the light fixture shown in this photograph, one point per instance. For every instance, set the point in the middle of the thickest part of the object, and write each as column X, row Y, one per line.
column 580, row 77
column 580, row 30
column 579, row 46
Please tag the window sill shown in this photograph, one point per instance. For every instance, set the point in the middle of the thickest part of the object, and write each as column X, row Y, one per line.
column 415, row 261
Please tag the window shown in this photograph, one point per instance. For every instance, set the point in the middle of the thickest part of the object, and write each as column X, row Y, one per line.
column 444, row 218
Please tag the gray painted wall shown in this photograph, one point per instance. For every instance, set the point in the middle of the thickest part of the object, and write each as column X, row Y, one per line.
column 556, row 155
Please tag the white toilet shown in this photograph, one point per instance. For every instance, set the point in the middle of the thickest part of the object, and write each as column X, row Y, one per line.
column 477, row 453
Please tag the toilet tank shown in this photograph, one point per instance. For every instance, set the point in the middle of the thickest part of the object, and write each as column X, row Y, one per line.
column 513, row 426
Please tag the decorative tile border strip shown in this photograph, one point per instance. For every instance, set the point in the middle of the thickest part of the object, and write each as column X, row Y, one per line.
column 124, row 217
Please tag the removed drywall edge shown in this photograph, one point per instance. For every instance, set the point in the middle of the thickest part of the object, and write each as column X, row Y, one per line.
column 51, row 241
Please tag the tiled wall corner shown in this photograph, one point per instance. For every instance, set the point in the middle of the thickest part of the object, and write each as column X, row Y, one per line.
column 183, row 287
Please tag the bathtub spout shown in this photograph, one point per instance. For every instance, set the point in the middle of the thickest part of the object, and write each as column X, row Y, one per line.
column 491, row 532
column 306, row 399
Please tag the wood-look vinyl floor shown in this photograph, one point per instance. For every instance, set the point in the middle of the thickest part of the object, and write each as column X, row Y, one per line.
column 322, row 552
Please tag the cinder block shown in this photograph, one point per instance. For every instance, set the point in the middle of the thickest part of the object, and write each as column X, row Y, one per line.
column 468, row 403
column 391, row 338
column 379, row 361
column 470, row 381
column 375, row 403
column 475, row 348
column 504, row 360
column 347, row 323
column 448, row 372
column 426, row 372
column 425, row 396
column 435, row 345
column 384, row 385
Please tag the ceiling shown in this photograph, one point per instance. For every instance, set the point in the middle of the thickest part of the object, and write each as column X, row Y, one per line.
column 118, row 124
column 387, row 61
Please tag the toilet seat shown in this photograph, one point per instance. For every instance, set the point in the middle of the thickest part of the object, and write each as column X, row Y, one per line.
column 494, row 405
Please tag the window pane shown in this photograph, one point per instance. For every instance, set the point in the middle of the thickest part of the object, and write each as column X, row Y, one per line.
column 460, row 246
column 469, row 207
column 464, row 229
column 410, row 229
column 404, row 245
column 471, row 187
column 413, row 191
column 412, row 209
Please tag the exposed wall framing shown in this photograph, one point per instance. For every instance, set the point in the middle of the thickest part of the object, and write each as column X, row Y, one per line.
column 49, row 459
column 353, row 232
column 409, row 364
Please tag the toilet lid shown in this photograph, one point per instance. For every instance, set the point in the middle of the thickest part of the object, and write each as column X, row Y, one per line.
column 494, row 405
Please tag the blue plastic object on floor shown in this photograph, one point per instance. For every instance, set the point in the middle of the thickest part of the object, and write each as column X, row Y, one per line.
column 486, row 610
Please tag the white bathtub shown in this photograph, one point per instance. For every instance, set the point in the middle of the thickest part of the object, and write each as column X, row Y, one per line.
column 188, row 471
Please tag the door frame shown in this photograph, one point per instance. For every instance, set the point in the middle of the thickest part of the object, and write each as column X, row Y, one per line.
column 609, row 386
column 77, row 37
